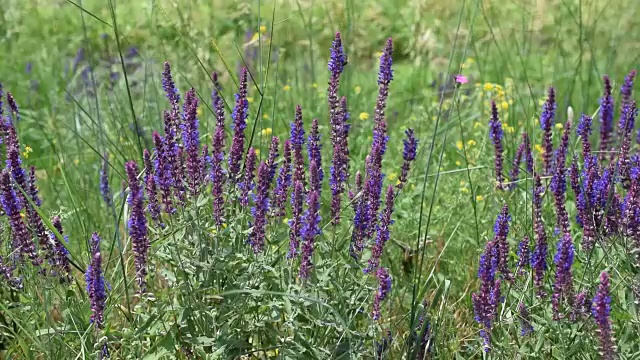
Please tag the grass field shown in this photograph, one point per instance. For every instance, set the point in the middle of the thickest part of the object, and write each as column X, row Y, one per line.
column 88, row 80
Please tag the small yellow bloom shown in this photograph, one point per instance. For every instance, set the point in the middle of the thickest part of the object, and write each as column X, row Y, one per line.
column 364, row 116
column 488, row 87
column 505, row 105
column 479, row 197
column 265, row 116
column 539, row 148
column 257, row 152
column 458, row 163
column 249, row 99
column 464, row 190
column 357, row 89
column 471, row 142
column 286, row 88
column 559, row 126
column 266, row 132
column 459, row 144
column 393, row 176
column 263, row 29
column 27, row 151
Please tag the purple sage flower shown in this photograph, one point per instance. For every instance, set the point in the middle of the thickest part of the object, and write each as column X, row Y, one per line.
column 191, row 141
column 283, row 182
column 547, row 119
column 408, row 156
column 563, row 285
column 383, row 232
column 384, row 288
column 151, row 188
column 12, row 206
column 495, row 134
column 246, row 185
column 137, row 225
column 606, row 119
column 96, row 288
column 601, row 310
column 239, row 116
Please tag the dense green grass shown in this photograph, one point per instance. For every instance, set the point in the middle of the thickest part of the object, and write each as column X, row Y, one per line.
column 447, row 210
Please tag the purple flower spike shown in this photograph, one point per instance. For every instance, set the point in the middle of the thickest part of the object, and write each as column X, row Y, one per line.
column 515, row 169
column 311, row 226
column 563, row 285
column 260, row 209
column 384, row 288
column 524, row 256
column 486, row 300
column 249, row 173
column 539, row 256
column 297, row 143
column 315, row 155
column 19, row 233
column 163, row 173
column 547, row 119
column 501, row 231
column 338, row 59
column 151, row 188
column 105, row 191
column 283, row 182
column 383, row 232
column 625, row 91
column 408, row 156
column 525, row 323
column 601, row 310
column 559, row 181
column 239, row 115
column 96, row 288
column 495, row 134
column 273, row 157
column 339, row 129
column 217, row 174
column 60, row 260
column 584, row 131
column 191, row 141
column 606, row 119
column 295, row 224
column 137, row 225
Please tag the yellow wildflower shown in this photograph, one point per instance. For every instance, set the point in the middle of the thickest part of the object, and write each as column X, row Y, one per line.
column 27, row 151
column 459, row 144
column 286, row 87
column 471, row 142
column 479, row 197
column 263, row 29
column 267, row 132
column 249, row 99
column 488, row 87
column 364, row 116
column 357, row 89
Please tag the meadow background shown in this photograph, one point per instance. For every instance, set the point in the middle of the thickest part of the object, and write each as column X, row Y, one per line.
column 63, row 62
